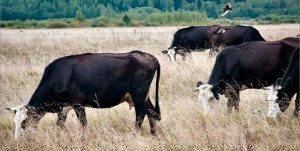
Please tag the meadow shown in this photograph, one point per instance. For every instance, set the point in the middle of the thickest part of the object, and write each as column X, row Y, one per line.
column 25, row 53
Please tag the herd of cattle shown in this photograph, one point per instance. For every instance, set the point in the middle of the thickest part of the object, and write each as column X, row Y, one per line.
column 108, row 79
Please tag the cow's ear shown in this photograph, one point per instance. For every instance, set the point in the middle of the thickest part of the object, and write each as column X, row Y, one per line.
column 278, row 81
column 199, row 83
column 29, row 107
column 12, row 109
column 164, row 51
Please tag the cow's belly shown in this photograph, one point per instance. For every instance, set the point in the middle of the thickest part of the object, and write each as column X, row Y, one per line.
column 109, row 100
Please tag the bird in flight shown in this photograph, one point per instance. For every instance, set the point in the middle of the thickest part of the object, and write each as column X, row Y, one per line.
column 227, row 8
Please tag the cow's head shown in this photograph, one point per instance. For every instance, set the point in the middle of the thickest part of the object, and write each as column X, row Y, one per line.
column 213, row 35
column 25, row 117
column 171, row 53
column 208, row 95
column 274, row 109
column 278, row 100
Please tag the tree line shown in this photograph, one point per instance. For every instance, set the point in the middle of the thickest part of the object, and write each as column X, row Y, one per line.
column 89, row 9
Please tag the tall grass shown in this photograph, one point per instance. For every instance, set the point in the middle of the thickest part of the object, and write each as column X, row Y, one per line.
column 24, row 55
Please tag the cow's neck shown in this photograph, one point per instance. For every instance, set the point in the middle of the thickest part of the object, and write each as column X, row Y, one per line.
column 40, row 99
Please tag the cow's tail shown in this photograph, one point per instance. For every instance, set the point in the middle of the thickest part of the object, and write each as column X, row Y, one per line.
column 157, row 108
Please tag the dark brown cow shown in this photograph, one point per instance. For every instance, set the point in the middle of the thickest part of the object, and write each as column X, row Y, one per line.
column 187, row 40
column 284, row 89
column 251, row 65
column 93, row 80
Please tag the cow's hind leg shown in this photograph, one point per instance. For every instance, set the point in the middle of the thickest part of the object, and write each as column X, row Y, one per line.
column 152, row 116
column 62, row 116
column 140, row 109
column 297, row 106
column 81, row 115
column 140, row 112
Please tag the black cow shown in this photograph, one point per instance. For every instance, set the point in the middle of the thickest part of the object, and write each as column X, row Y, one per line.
column 93, row 80
column 186, row 40
column 231, row 35
column 250, row 65
column 280, row 95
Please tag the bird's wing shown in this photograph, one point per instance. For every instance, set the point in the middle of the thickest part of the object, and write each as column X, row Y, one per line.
column 225, row 13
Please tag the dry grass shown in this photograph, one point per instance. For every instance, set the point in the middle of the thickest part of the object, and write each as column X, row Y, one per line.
column 24, row 55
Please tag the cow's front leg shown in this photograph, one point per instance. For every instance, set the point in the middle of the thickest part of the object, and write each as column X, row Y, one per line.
column 81, row 115
column 183, row 56
column 183, row 53
column 62, row 116
column 233, row 96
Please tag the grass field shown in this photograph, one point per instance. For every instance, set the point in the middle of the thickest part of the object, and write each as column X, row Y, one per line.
column 24, row 55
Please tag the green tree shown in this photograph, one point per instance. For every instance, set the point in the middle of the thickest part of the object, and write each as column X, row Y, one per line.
column 79, row 16
column 169, row 4
column 126, row 20
column 210, row 10
column 115, row 9
column 150, row 3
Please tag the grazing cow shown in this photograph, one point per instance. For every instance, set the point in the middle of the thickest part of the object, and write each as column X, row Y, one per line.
column 280, row 95
column 250, row 65
column 231, row 35
column 186, row 40
column 93, row 80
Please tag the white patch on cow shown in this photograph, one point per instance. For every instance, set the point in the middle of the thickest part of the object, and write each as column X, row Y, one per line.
column 21, row 115
column 207, row 98
column 274, row 109
column 171, row 54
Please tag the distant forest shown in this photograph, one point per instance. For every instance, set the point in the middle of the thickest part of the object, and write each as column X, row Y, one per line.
column 137, row 11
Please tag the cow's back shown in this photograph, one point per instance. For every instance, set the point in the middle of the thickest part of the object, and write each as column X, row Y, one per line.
column 291, row 42
column 144, row 59
column 236, row 35
column 193, row 37
column 252, row 34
